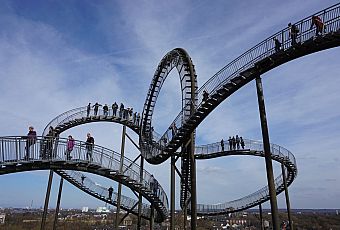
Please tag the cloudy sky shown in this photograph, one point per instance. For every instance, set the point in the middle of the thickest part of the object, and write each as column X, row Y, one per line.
column 60, row 55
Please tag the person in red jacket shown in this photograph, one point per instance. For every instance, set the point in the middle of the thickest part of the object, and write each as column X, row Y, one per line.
column 69, row 148
column 320, row 26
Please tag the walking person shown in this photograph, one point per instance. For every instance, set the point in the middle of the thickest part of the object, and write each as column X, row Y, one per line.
column 105, row 110
column 82, row 179
column 205, row 96
column 234, row 142
column 277, row 45
column 69, row 147
column 89, row 147
column 320, row 26
column 242, row 142
column 88, row 110
column 293, row 33
column 48, row 143
column 31, row 139
column 96, row 107
column 222, row 145
column 110, row 192
column 230, row 141
column 114, row 109
column 237, row 140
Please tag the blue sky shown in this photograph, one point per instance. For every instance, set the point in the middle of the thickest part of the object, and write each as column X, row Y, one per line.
column 59, row 55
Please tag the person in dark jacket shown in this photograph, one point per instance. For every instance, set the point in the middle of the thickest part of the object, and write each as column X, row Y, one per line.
column 31, row 138
column 110, row 192
column 114, row 109
column 96, row 107
column 106, row 110
column 89, row 147
column 88, row 110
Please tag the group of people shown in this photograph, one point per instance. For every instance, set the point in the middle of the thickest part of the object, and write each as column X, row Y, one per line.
column 117, row 111
column 234, row 143
column 294, row 32
column 47, row 145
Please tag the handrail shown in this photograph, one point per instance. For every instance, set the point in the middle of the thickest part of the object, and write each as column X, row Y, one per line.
column 247, row 60
column 86, row 184
column 251, row 147
column 81, row 113
column 14, row 149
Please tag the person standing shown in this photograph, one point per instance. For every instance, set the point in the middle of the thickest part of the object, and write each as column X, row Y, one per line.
column 230, row 141
column 114, row 109
column 237, row 139
column 316, row 20
column 138, row 119
column 110, row 192
column 293, row 32
column 106, row 110
column 82, row 179
column 242, row 142
column 234, row 142
column 89, row 147
column 88, row 110
column 121, row 110
column 69, row 147
column 96, row 107
column 277, row 45
column 222, row 145
column 205, row 96
column 31, row 138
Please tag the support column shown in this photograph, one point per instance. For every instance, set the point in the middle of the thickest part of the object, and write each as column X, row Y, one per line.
column 191, row 148
column 267, row 153
column 122, row 150
column 287, row 196
column 261, row 216
column 152, row 217
column 58, row 203
column 172, row 192
column 47, row 199
column 140, row 194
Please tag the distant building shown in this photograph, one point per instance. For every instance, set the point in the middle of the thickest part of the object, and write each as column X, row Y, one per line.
column 2, row 218
column 127, row 221
column 103, row 210
column 85, row 209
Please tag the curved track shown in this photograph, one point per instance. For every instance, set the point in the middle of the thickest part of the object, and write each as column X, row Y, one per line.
column 179, row 59
column 251, row 64
column 101, row 193
column 78, row 116
column 253, row 148
column 104, row 162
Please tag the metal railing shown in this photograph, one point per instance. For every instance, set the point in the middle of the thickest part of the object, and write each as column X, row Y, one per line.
column 331, row 19
column 279, row 153
column 82, row 113
column 19, row 150
column 86, row 184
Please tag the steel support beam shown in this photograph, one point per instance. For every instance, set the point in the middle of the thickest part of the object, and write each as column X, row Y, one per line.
column 58, row 204
column 140, row 196
column 287, row 196
column 172, row 193
column 261, row 217
column 267, row 153
column 152, row 217
column 47, row 199
column 191, row 148
column 122, row 150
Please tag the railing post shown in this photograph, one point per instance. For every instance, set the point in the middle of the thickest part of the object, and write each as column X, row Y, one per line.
column 58, row 203
column 122, row 150
column 47, row 199
column 287, row 196
column 267, row 153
